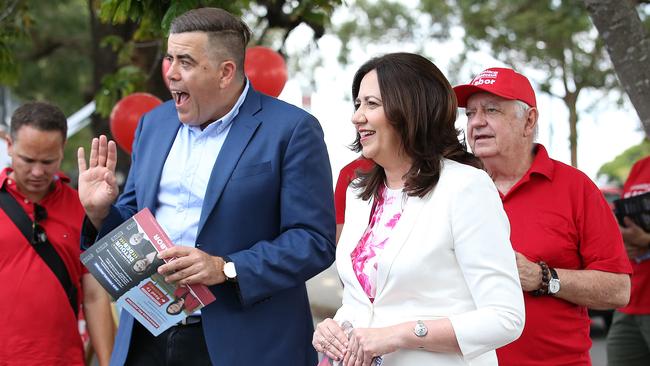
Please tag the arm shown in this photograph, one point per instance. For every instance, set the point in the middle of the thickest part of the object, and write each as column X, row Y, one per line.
column 367, row 343
column 594, row 289
column 480, row 234
column 305, row 245
column 305, row 215
column 591, row 288
column 99, row 317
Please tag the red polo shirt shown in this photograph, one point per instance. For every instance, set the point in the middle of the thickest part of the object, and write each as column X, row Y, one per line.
column 347, row 175
column 639, row 182
column 559, row 216
column 37, row 325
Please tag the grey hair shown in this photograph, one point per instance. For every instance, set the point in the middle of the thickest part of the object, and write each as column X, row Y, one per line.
column 520, row 111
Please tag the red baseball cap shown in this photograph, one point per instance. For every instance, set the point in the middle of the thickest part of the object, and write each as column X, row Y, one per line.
column 504, row 82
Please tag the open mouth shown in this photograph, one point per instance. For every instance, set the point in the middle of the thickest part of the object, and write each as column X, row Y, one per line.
column 180, row 97
column 364, row 134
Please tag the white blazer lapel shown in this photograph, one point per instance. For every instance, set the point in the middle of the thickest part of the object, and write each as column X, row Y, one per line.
column 412, row 208
column 357, row 215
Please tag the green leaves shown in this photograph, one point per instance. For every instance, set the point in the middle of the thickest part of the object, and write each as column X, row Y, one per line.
column 14, row 23
column 127, row 80
column 618, row 169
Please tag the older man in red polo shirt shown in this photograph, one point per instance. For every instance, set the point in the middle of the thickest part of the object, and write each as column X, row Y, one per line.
column 569, row 250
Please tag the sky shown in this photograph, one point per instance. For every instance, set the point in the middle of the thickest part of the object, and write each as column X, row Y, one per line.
column 605, row 129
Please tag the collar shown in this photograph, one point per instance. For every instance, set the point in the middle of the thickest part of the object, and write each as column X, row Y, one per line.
column 222, row 123
column 59, row 178
column 542, row 163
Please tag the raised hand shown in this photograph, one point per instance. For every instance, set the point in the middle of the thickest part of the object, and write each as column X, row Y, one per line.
column 97, row 185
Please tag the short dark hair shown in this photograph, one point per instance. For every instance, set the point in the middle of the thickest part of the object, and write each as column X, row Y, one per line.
column 41, row 116
column 421, row 105
column 225, row 31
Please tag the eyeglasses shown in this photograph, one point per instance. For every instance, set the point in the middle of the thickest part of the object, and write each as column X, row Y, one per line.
column 38, row 236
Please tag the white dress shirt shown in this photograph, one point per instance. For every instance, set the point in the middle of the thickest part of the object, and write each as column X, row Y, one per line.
column 186, row 173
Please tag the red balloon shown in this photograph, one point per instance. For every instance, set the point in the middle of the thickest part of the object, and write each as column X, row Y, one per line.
column 165, row 67
column 266, row 70
column 126, row 114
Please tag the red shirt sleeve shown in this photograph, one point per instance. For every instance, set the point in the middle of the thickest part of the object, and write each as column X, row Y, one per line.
column 347, row 175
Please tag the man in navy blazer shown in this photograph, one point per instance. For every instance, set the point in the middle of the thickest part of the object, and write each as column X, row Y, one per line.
column 242, row 183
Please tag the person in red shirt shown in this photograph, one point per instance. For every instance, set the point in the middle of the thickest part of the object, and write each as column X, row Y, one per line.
column 347, row 174
column 38, row 326
column 628, row 340
column 570, row 254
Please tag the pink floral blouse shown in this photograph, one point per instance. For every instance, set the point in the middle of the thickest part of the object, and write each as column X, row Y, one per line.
column 385, row 216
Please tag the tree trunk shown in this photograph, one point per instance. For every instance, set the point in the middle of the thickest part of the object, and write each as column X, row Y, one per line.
column 571, row 101
column 628, row 45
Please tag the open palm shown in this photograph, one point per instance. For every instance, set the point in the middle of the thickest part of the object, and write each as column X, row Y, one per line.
column 97, row 184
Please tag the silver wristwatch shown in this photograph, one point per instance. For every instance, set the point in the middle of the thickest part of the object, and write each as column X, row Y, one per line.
column 420, row 329
column 554, row 282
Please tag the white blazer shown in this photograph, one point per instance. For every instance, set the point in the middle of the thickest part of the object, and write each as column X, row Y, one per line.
column 449, row 256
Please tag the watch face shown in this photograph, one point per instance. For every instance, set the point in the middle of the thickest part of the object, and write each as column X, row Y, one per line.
column 554, row 286
column 420, row 329
column 229, row 270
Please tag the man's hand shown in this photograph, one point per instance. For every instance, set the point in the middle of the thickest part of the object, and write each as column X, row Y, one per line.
column 634, row 235
column 530, row 273
column 192, row 266
column 97, row 186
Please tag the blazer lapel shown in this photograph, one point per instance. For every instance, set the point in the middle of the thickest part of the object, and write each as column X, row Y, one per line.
column 243, row 127
column 357, row 215
column 398, row 238
column 167, row 131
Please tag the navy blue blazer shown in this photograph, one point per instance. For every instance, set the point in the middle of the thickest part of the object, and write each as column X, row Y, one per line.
column 269, row 208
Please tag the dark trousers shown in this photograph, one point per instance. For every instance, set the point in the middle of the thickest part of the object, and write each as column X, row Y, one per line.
column 178, row 345
column 628, row 340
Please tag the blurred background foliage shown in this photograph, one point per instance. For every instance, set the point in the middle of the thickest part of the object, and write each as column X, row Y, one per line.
column 73, row 51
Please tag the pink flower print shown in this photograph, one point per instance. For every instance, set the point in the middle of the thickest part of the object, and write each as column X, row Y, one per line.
column 392, row 222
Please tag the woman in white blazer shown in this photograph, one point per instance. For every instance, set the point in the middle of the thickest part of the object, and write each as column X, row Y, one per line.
column 428, row 271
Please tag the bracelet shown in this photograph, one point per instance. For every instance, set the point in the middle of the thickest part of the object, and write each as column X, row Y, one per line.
column 543, row 290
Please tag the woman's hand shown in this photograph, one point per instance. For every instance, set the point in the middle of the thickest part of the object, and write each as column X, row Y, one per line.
column 330, row 339
column 368, row 343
